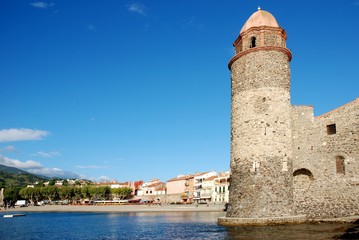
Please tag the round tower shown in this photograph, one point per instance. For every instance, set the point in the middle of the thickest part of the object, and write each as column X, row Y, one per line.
column 261, row 190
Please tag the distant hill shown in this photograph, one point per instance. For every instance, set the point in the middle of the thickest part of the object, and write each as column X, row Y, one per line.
column 4, row 168
column 14, row 177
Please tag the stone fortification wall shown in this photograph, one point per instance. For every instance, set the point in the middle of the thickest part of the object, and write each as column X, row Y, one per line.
column 326, row 161
column 163, row 198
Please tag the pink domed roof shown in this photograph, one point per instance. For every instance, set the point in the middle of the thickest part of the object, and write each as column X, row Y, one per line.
column 260, row 18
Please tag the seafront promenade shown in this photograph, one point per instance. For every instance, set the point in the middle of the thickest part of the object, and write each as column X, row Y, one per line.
column 120, row 208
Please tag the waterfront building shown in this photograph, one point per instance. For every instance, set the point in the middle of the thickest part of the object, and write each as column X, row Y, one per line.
column 115, row 184
column 136, row 187
column 198, row 184
column 176, row 185
column 179, row 189
column 221, row 188
column 187, row 195
column 153, row 190
column 207, row 189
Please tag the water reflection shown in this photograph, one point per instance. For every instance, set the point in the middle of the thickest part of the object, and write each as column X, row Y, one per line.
column 160, row 225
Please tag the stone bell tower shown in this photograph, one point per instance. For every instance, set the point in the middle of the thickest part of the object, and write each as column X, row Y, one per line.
column 261, row 190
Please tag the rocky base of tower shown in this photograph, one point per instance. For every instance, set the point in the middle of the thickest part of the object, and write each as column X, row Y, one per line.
column 229, row 221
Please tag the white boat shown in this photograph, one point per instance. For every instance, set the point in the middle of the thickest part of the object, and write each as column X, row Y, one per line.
column 14, row 215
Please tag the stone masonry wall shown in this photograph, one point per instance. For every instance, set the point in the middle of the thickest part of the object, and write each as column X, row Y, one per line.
column 259, row 70
column 320, row 190
column 261, row 158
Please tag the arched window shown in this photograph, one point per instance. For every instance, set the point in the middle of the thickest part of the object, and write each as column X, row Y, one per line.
column 302, row 180
column 340, row 164
column 303, row 171
column 253, row 42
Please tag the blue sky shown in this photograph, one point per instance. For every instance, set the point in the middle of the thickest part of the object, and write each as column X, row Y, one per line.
column 132, row 90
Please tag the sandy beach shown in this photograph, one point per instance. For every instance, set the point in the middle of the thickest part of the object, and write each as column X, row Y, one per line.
column 119, row 208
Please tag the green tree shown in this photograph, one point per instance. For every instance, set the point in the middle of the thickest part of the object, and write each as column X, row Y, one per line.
column 100, row 193
column 52, row 182
column 122, row 193
column 40, row 183
column 77, row 194
column 65, row 182
column 66, row 193
column 37, row 194
column 11, row 195
column 86, row 192
column 50, row 192
column 27, row 193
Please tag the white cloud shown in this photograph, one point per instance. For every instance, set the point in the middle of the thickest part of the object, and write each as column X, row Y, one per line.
column 90, row 166
column 8, row 149
column 21, row 134
column 45, row 154
column 42, row 5
column 103, row 179
column 137, row 8
column 18, row 164
column 36, row 168
column 55, row 172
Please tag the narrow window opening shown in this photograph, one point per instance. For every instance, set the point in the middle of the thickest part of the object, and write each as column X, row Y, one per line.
column 331, row 129
column 253, row 42
column 340, row 164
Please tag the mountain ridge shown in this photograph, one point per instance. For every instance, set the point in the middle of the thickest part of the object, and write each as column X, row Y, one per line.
column 14, row 177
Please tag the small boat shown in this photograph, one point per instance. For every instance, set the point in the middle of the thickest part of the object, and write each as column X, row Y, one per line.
column 14, row 215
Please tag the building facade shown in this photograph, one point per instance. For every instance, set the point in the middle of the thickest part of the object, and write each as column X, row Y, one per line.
column 198, row 179
column 221, row 188
column 180, row 189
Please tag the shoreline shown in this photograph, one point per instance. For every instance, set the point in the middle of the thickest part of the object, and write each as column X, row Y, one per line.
column 118, row 208
column 150, row 208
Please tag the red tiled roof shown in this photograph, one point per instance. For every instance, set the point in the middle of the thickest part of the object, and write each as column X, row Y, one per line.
column 200, row 174
column 211, row 178
column 178, row 178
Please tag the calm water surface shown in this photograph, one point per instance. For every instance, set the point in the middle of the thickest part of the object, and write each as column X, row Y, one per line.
column 176, row 225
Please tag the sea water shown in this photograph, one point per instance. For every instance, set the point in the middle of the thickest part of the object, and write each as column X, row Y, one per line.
column 152, row 225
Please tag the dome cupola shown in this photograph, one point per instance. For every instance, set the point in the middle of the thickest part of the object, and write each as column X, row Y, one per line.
column 258, row 19
column 261, row 32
